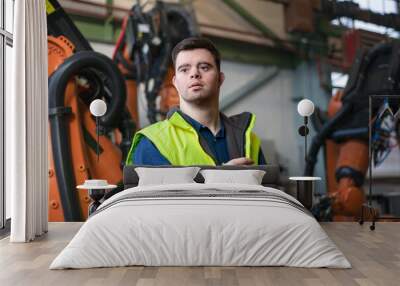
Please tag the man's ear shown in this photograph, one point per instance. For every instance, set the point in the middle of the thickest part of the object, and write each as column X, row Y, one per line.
column 173, row 81
column 221, row 78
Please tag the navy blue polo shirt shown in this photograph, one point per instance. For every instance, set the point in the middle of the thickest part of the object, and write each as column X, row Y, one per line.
column 146, row 152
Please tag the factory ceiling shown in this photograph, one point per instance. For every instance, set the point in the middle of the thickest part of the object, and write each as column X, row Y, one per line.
column 215, row 18
column 297, row 28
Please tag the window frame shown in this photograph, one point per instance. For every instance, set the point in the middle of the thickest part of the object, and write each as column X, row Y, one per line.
column 2, row 90
column 6, row 39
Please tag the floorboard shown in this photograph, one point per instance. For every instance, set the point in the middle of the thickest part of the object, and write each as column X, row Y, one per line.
column 374, row 255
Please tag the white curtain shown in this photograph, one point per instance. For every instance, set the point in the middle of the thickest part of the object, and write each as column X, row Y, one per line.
column 26, row 123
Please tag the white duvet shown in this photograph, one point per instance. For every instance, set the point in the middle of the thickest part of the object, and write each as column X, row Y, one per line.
column 249, row 225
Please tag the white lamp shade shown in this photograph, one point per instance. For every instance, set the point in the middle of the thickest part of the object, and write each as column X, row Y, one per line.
column 305, row 107
column 98, row 107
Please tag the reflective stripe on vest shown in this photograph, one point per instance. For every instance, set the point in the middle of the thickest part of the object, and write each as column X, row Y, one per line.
column 252, row 142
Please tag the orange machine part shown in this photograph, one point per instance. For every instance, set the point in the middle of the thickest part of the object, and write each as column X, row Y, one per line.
column 55, row 208
column 335, row 104
column 84, row 158
column 78, row 159
column 332, row 153
column 332, row 149
column 347, row 198
column 77, row 145
column 58, row 49
column 354, row 153
column 168, row 93
column 108, row 166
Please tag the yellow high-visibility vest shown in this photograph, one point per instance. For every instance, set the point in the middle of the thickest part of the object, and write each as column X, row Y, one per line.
column 179, row 142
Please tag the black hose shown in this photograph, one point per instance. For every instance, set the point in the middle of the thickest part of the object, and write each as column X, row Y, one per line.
column 88, row 59
column 63, row 163
column 352, row 92
column 59, row 121
column 320, row 138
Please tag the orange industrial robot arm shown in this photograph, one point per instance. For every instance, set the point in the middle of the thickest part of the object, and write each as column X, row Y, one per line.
column 77, row 75
column 345, row 132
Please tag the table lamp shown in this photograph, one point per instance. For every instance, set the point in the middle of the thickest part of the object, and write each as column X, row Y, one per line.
column 98, row 108
column 305, row 108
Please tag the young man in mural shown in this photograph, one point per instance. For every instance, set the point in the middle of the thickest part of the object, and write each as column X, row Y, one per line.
column 197, row 133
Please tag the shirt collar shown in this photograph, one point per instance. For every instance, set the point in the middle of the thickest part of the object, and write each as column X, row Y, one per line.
column 198, row 126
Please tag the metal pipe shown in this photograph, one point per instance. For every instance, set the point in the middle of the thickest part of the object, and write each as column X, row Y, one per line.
column 106, row 6
column 246, row 15
column 352, row 10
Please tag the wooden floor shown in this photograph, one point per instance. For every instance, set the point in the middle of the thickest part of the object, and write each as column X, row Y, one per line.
column 374, row 255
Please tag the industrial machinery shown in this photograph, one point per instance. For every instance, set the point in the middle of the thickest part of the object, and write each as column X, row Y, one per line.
column 139, row 74
column 344, row 130
column 78, row 75
column 143, row 52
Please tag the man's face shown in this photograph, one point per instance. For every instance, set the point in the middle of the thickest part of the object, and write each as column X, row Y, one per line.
column 197, row 78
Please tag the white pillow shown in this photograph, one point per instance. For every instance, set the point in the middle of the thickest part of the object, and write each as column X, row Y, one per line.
column 163, row 176
column 248, row 177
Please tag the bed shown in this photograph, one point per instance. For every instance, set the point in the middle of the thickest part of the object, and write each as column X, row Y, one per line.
column 201, row 224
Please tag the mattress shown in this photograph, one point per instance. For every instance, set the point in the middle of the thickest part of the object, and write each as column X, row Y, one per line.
column 201, row 225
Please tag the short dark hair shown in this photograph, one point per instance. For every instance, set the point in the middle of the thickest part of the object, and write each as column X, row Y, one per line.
column 193, row 43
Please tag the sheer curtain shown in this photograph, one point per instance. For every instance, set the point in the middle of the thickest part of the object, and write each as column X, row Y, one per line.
column 26, row 123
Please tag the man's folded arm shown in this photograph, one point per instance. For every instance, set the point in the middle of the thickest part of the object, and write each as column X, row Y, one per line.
column 147, row 154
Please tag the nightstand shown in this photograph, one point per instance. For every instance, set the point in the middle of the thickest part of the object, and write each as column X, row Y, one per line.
column 305, row 190
column 96, row 189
